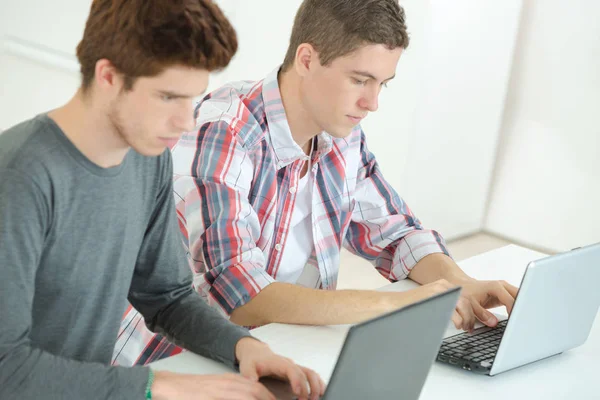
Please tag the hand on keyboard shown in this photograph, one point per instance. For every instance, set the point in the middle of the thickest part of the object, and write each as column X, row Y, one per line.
column 476, row 297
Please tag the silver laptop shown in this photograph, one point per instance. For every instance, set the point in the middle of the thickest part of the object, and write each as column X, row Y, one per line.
column 387, row 357
column 554, row 312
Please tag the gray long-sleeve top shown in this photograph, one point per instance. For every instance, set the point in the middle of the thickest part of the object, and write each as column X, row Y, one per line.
column 77, row 241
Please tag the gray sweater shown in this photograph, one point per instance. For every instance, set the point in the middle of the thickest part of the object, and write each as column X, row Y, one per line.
column 77, row 241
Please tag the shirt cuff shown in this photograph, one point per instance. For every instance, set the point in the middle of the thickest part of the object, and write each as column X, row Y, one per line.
column 413, row 248
column 234, row 286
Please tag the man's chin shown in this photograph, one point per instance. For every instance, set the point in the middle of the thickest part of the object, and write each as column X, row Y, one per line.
column 150, row 151
column 341, row 133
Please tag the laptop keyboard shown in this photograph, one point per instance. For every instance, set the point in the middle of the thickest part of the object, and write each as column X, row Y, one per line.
column 477, row 346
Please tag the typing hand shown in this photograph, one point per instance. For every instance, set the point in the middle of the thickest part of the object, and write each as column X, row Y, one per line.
column 257, row 360
column 172, row 386
column 478, row 296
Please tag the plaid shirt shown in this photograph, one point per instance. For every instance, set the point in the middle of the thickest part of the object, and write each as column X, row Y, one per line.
column 234, row 184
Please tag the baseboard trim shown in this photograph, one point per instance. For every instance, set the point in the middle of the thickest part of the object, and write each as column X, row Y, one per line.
column 529, row 245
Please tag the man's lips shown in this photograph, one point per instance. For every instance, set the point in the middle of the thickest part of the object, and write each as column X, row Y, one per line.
column 355, row 119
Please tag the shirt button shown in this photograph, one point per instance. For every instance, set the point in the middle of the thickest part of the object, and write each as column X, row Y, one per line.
column 293, row 189
column 278, row 247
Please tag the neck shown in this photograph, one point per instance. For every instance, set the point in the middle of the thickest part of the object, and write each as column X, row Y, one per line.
column 85, row 122
column 301, row 124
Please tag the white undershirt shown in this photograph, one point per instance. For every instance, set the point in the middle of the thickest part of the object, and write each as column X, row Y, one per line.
column 299, row 243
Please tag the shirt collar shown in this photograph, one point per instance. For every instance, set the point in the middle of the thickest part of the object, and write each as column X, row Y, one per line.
column 285, row 148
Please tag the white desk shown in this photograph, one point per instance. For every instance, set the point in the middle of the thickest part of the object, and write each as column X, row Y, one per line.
column 572, row 375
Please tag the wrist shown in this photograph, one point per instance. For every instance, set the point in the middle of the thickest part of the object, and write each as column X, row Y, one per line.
column 459, row 279
column 451, row 272
column 247, row 345
column 162, row 387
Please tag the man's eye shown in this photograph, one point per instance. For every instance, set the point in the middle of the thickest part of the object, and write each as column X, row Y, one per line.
column 166, row 97
column 359, row 82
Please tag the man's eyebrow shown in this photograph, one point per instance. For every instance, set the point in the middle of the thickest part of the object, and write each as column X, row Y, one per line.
column 370, row 76
column 175, row 95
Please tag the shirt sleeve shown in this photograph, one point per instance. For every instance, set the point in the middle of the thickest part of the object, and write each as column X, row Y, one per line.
column 383, row 229
column 162, row 291
column 28, row 372
column 220, row 226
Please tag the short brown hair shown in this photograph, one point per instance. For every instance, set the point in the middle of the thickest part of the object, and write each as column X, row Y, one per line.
column 339, row 27
column 143, row 37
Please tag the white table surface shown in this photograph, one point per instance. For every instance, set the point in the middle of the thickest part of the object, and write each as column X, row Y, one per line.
column 571, row 375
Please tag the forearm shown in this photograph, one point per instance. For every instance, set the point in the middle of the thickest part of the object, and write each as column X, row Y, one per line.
column 438, row 266
column 30, row 373
column 161, row 289
column 293, row 304
column 191, row 323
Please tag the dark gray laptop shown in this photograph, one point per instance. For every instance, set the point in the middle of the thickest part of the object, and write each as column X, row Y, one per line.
column 388, row 357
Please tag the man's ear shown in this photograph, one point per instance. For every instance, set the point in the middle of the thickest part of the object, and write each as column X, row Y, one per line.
column 107, row 77
column 306, row 56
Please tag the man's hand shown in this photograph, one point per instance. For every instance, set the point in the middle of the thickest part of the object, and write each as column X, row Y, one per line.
column 477, row 296
column 257, row 360
column 172, row 386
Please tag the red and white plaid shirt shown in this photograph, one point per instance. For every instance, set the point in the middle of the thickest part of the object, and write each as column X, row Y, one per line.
column 234, row 184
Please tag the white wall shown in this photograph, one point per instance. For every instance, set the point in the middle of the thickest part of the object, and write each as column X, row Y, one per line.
column 459, row 103
column 546, row 190
column 434, row 134
column 38, row 70
column 44, row 88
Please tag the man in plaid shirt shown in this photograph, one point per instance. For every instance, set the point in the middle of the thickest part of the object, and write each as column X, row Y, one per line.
column 277, row 177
